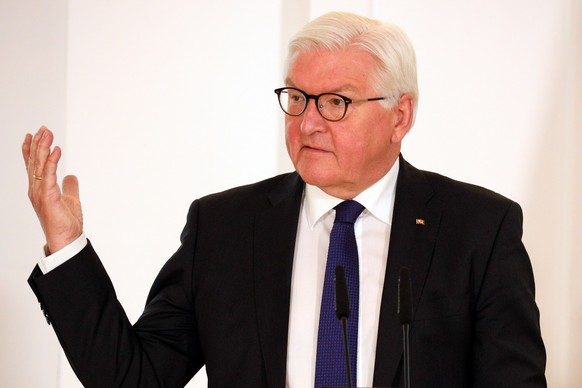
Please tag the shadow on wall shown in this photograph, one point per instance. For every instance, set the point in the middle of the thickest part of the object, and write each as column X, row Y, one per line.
column 575, row 338
column 551, row 233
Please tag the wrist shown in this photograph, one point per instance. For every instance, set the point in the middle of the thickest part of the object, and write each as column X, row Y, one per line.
column 56, row 243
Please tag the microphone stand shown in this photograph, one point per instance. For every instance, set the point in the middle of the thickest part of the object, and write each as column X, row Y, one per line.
column 405, row 316
column 406, row 355
column 344, row 321
column 342, row 312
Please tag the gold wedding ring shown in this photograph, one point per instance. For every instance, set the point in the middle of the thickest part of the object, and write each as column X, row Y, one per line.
column 38, row 178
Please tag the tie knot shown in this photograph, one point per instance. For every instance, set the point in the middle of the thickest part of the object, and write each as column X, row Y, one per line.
column 348, row 211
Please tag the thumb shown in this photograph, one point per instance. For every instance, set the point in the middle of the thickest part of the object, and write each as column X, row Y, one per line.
column 71, row 186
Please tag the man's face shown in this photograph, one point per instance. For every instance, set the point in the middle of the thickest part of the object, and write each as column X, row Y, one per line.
column 342, row 158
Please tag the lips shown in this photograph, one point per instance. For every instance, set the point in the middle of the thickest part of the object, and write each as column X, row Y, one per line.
column 314, row 149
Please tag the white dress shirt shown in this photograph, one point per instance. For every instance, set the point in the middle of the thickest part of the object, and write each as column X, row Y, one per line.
column 372, row 230
column 48, row 263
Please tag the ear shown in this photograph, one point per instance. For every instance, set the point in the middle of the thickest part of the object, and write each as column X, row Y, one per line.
column 404, row 113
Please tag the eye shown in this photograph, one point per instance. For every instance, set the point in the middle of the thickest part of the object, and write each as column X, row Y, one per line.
column 296, row 97
column 332, row 101
column 336, row 101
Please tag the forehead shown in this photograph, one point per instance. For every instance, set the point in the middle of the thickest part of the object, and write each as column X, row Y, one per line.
column 332, row 71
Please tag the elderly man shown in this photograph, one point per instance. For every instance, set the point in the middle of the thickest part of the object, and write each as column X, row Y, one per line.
column 249, row 293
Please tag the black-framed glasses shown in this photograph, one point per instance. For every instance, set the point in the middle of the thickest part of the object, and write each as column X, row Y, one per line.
column 331, row 106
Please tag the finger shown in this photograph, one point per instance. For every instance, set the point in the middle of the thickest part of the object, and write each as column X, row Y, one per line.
column 33, row 147
column 42, row 152
column 49, row 176
column 26, row 149
column 71, row 186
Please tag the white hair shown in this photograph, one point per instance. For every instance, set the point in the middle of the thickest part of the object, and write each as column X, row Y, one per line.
column 336, row 31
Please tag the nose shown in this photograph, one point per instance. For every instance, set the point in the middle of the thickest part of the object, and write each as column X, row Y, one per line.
column 312, row 121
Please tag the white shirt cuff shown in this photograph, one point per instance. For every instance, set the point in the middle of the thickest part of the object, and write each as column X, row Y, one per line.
column 48, row 263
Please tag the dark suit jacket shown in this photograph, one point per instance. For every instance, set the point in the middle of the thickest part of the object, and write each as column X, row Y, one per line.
column 222, row 300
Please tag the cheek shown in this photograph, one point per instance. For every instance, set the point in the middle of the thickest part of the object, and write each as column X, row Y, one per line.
column 291, row 137
column 351, row 156
column 356, row 153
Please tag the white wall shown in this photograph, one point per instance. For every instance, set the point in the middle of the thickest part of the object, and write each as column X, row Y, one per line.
column 157, row 103
column 32, row 91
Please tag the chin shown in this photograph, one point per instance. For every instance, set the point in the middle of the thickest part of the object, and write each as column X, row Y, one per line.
column 315, row 178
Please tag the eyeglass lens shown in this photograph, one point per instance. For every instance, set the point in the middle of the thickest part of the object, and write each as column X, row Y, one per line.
column 294, row 102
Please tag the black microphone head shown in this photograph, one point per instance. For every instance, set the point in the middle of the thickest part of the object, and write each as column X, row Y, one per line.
column 342, row 302
column 404, row 297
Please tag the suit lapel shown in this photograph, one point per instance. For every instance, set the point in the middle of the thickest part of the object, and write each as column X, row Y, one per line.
column 274, row 245
column 414, row 229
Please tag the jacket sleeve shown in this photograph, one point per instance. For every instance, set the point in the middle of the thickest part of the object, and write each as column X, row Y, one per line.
column 161, row 350
column 508, row 350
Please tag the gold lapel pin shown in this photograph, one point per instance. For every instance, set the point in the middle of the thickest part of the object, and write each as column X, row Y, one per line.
column 420, row 221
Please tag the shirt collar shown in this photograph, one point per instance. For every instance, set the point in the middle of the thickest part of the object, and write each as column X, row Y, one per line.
column 378, row 199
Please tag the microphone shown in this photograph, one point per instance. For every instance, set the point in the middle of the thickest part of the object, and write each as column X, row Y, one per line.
column 405, row 317
column 342, row 302
column 342, row 311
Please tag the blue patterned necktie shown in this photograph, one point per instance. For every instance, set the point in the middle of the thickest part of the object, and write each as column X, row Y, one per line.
column 330, row 367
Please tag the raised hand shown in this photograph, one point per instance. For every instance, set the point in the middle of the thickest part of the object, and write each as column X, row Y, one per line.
column 59, row 213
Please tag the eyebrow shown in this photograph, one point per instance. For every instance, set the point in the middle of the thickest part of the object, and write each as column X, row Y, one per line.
column 349, row 88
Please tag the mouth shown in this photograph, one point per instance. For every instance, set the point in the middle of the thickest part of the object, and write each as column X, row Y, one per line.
column 314, row 152
column 313, row 149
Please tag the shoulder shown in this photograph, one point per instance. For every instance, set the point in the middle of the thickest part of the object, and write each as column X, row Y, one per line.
column 239, row 205
column 251, row 198
column 258, row 192
column 455, row 195
column 457, row 190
